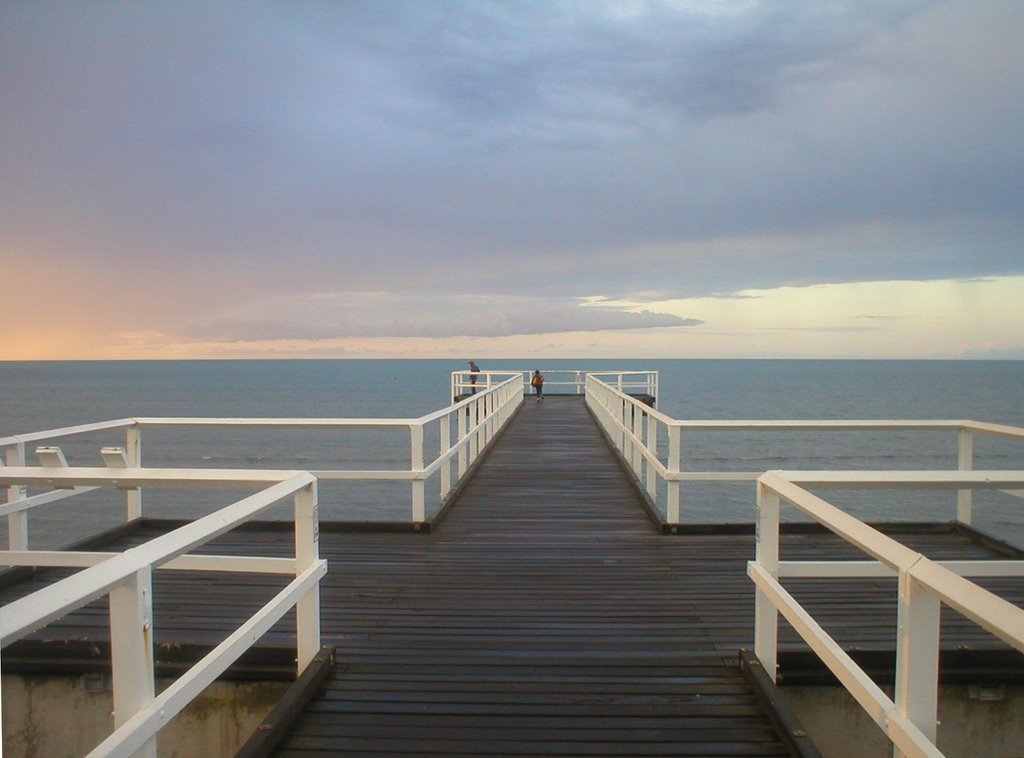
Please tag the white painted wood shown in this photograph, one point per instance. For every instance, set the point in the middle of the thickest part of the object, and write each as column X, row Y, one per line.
column 766, row 617
column 904, row 733
column 133, row 452
column 995, row 430
column 874, row 569
column 83, row 559
column 140, row 728
column 917, row 656
column 991, row 612
column 652, row 458
column 445, row 438
column 461, row 425
column 43, row 498
column 965, row 462
column 941, row 479
column 25, row 615
column 131, row 651
column 674, row 453
column 153, row 477
column 68, row 431
column 416, row 464
column 17, row 519
column 307, row 554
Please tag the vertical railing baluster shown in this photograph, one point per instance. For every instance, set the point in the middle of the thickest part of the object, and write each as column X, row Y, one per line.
column 766, row 616
column 131, row 650
column 652, row 448
column 460, row 434
column 307, row 552
column 474, row 426
column 965, row 462
column 917, row 656
column 133, row 449
column 17, row 523
column 445, row 434
column 672, row 507
column 416, row 465
column 638, row 433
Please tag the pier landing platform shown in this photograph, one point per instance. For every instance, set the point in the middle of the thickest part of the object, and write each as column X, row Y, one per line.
column 546, row 614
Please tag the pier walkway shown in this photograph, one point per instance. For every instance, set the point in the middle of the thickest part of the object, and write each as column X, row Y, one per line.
column 545, row 614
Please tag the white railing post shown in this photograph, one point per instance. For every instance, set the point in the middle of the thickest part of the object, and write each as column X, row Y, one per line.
column 307, row 552
column 416, row 464
column 446, row 445
column 491, row 404
column 917, row 656
column 131, row 650
column 652, row 448
column 460, row 432
column 965, row 462
column 766, row 616
column 472, row 414
column 672, row 506
column 17, row 523
column 623, row 426
column 638, row 432
column 133, row 449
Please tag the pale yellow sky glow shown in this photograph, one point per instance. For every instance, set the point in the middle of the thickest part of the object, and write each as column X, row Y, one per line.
column 978, row 318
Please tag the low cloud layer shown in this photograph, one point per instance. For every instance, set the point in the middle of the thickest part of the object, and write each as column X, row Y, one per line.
column 376, row 314
column 196, row 161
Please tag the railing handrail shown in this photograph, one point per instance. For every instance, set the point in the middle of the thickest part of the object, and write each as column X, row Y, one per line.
column 476, row 420
column 633, row 428
column 471, row 380
column 68, row 431
column 30, row 613
column 356, row 422
column 909, row 719
column 139, row 713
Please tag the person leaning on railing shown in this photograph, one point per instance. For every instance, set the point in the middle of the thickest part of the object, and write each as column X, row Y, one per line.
column 473, row 371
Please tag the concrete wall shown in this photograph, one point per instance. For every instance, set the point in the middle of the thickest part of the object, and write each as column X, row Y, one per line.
column 50, row 716
column 974, row 722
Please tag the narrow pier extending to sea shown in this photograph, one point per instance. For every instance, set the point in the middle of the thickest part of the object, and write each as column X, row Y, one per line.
column 551, row 607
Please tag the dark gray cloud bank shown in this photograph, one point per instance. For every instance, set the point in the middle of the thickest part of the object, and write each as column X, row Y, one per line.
column 226, row 154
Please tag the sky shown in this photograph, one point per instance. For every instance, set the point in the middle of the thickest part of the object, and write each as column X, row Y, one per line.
column 439, row 178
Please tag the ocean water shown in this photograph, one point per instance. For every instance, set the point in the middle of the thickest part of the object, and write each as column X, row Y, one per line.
column 42, row 395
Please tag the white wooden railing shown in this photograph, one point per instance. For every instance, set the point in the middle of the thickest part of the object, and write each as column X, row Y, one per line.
column 463, row 429
column 558, row 381
column 910, row 718
column 127, row 578
column 635, row 429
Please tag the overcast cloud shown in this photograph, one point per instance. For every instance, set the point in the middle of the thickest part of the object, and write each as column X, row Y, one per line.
column 252, row 170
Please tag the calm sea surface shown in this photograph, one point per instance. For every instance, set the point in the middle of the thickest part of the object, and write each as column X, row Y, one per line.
column 42, row 395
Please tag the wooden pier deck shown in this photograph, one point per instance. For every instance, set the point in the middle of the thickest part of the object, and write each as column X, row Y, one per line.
column 546, row 614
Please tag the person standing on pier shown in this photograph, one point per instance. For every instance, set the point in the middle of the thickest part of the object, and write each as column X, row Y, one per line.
column 537, row 382
column 473, row 371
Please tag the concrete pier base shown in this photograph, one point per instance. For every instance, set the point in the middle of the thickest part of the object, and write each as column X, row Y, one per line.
column 975, row 721
column 52, row 715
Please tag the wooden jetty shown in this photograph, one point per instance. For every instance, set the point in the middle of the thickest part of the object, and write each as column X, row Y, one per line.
column 546, row 614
